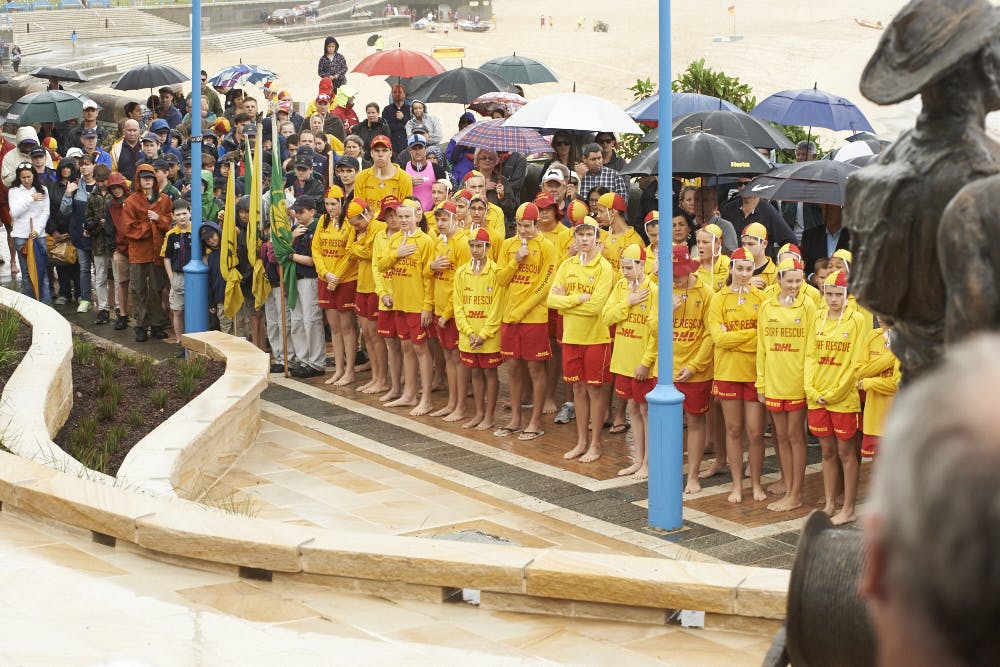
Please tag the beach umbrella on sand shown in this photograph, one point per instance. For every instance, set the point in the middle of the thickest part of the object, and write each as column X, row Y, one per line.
column 648, row 110
column 459, row 86
column 573, row 111
column 48, row 106
column 704, row 154
column 813, row 108
column 149, row 75
column 61, row 73
column 485, row 104
column 398, row 62
column 732, row 124
column 493, row 134
column 518, row 69
column 816, row 182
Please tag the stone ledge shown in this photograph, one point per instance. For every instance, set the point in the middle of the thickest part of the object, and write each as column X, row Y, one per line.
column 185, row 454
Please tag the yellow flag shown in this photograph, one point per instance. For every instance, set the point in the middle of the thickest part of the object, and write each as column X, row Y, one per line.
column 261, row 287
column 229, row 261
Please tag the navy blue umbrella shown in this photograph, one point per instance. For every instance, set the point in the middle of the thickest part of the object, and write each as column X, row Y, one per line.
column 814, row 108
column 648, row 110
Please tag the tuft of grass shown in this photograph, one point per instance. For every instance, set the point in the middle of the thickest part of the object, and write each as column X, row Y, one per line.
column 195, row 368
column 105, row 366
column 159, row 398
column 146, row 373
column 82, row 436
column 135, row 418
column 107, row 407
column 10, row 323
column 95, row 458
column 84, row 352
column 113, row 438
column 186, row 385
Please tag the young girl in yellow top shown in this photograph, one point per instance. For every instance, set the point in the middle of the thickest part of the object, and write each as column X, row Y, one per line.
column 732, row 323
column 878, row 376
column 386, row 324
column 754, row 239
column 632, row 310
column 714, row 266
column 791, row 251
column 337, row 270
column 362, row 247
column 834, row 346
column 781, row 355
column 477, row 298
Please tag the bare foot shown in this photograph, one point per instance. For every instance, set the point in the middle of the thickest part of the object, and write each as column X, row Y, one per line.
column 446, row 410
column 422, row 409
column 777, row 489
column 362, row 387
column 345, row 379
column 842, row 518
column 373, row 389
column 549, row 408
column 486, row 425
column 333, row 379
column 784, row 505
column 455, row 416
column 736, row 496
column 575, row 452
column 829, row 509
column 693, row 486
column 641, row 474
column 592, row 454
column 474, row 422
column 712, row 470
column 391, row 395
column 403, row 402
column 759, row 494
column 629, row 470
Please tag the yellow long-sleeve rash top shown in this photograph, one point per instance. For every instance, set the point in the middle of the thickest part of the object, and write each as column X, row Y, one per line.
column 813, row 294
column 833, row 347
column 716, row 278
column 582, row 323
column 879, row 376
column 562, row 238
column 733, row 327
column 636, row 328
column 769, row 272
column 615, row 244
column 781, row 347
column 409, row 277
column 497, row 229
column 456, row 249
column 526, row 284
column 692, row 342
column 329, row 251
column 477, row 300
column 372, row 189
column 362, row 248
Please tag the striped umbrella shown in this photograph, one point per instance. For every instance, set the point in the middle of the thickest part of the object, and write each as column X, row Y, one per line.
column 484, row 104
column 237, row 75
column 493, row 134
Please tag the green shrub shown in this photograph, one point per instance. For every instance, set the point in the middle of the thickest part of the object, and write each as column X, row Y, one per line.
column 159, row 398
column 83, row 352
column 135, row 418
column 106, row 408
column 10, row 324
column 105, row 366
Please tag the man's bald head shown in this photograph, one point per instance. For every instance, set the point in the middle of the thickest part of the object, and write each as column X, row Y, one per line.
column 131, row 130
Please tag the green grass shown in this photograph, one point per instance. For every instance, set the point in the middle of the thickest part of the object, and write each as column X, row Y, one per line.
column 135, row 418
column 84, row 352
column 105, row 365
column 186, row 385
column 82, row 436
column 159, row 398
column 10, row 324
column 194, row 368
column 146, row 372
column 114, row 437
column 107, row 407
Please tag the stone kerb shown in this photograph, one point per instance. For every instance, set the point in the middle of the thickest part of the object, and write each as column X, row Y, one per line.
column 39, row 395
column 187, row 453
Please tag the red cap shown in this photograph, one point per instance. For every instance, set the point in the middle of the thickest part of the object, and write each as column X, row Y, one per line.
column 651, row 216
column 741, row 253
column 543, row 200
column 381, row 139
column 464, row 194
column 472, row 174
column 683, row 264
column 448, row 207
column 480, row 235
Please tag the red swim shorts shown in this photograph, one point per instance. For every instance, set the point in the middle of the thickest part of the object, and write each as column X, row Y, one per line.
column 408, row 327
column 725, row 390
column 783, row 405
column 631, row 389
column 528, row 342
column 842, row 425
column 386, row 326
column 587, row 363
column 366, row 305
column 481, row 359
column 447, row 335
column 869, row 445
column 696, row 396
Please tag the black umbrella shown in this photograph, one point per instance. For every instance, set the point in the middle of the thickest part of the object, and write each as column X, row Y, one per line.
column 651, row 137
column 732, row 124
column 408, row 83
column 817, row 182
column 646, row 163
column 372, row 39
column 460, row 86
column 704, row 154
column 61, row 73
column 518, row 69
column 149, row 75
column 48, row 106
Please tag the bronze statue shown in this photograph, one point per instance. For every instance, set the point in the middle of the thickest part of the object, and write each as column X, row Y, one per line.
column 906, row 258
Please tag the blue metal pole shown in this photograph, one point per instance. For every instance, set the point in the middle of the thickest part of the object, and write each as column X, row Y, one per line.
column 666, row 432
column 196, row 271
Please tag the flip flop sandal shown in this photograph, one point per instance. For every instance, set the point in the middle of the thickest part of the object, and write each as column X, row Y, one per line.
column 619, row 428
column 504, row 432
column 530, row 435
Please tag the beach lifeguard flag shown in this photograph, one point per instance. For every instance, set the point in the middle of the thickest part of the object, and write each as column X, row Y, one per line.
column 281, row 230
column 260, row 287
column 229, row 262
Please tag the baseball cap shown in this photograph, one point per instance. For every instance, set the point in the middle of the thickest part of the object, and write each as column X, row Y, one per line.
column 303, row 162
column 356, row 207
column 481, row 235
column 543, row 200
column 28, row 140
column 159, row 125
column 171, row 159
column 446, row 207
column 527, row 211
column 90, row 104
column 88, row 132
column 38, row 151
column 149, row 136
column 322, row 97
column 612, row 200
column 349, row 161
column 836, row 279
column 250, row 129
column 302, row 203
column 682, row 262
column 553, row 175
column 381, row 140
column 789, row 264
column 74, row 152
column 161, row 165
column 417, row 139
column 756, row 230
column 334, row 192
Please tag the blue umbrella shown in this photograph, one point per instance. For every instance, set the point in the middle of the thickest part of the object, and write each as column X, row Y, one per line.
column 648, row 110
column 814, row 108
column 238, row 75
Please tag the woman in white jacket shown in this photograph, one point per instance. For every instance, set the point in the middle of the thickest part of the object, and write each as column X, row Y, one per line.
column 29, row 208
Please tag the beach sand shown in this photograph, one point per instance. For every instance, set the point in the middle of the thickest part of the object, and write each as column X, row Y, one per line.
column 786, row 44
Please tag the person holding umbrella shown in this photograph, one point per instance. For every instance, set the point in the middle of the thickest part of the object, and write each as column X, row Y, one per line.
column 29, row 210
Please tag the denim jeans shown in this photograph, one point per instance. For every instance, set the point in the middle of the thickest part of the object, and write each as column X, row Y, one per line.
column 26, row 287
column 85, row 258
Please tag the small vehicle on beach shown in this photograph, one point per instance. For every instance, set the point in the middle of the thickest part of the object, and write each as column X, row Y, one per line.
column 474, row 26
column 600, row 26
column 281, row 17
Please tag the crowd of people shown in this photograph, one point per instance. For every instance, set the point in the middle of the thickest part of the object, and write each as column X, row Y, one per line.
column 435, row 266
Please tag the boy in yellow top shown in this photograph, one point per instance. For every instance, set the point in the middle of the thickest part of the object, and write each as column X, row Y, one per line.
column 834, row 346
column 451, row 250
column 440, row 192
column 386, row 323
column 754, row 239
column 792, row 252
column 878, row 376
column 579, row 292
column 526, row 268
column 632, row 310
column 550, row 226
column 461, row 199
column 475, row 182
column 477, row 299
column 652, row 226
column 713, row 266
column 478, row 207
column 337, row 270
column 408, row 259
column 781, row 356
column 611, row 209
column 692, row 355
column 841, row 260
column 383, row 178
column 362, row 248
column 732, row 323
column 561, row 237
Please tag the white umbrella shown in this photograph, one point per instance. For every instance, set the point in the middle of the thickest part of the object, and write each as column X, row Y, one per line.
column 853, row 150
column 573, row 111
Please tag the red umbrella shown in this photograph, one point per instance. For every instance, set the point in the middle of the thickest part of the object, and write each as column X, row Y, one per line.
column 398, row 62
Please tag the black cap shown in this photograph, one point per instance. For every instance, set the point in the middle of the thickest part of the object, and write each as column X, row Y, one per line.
column 250, row 129
column 303, row 161
column 171, row 158
column 349, row 161
column 303, row 202
column 161, row 164
column 38, row 152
